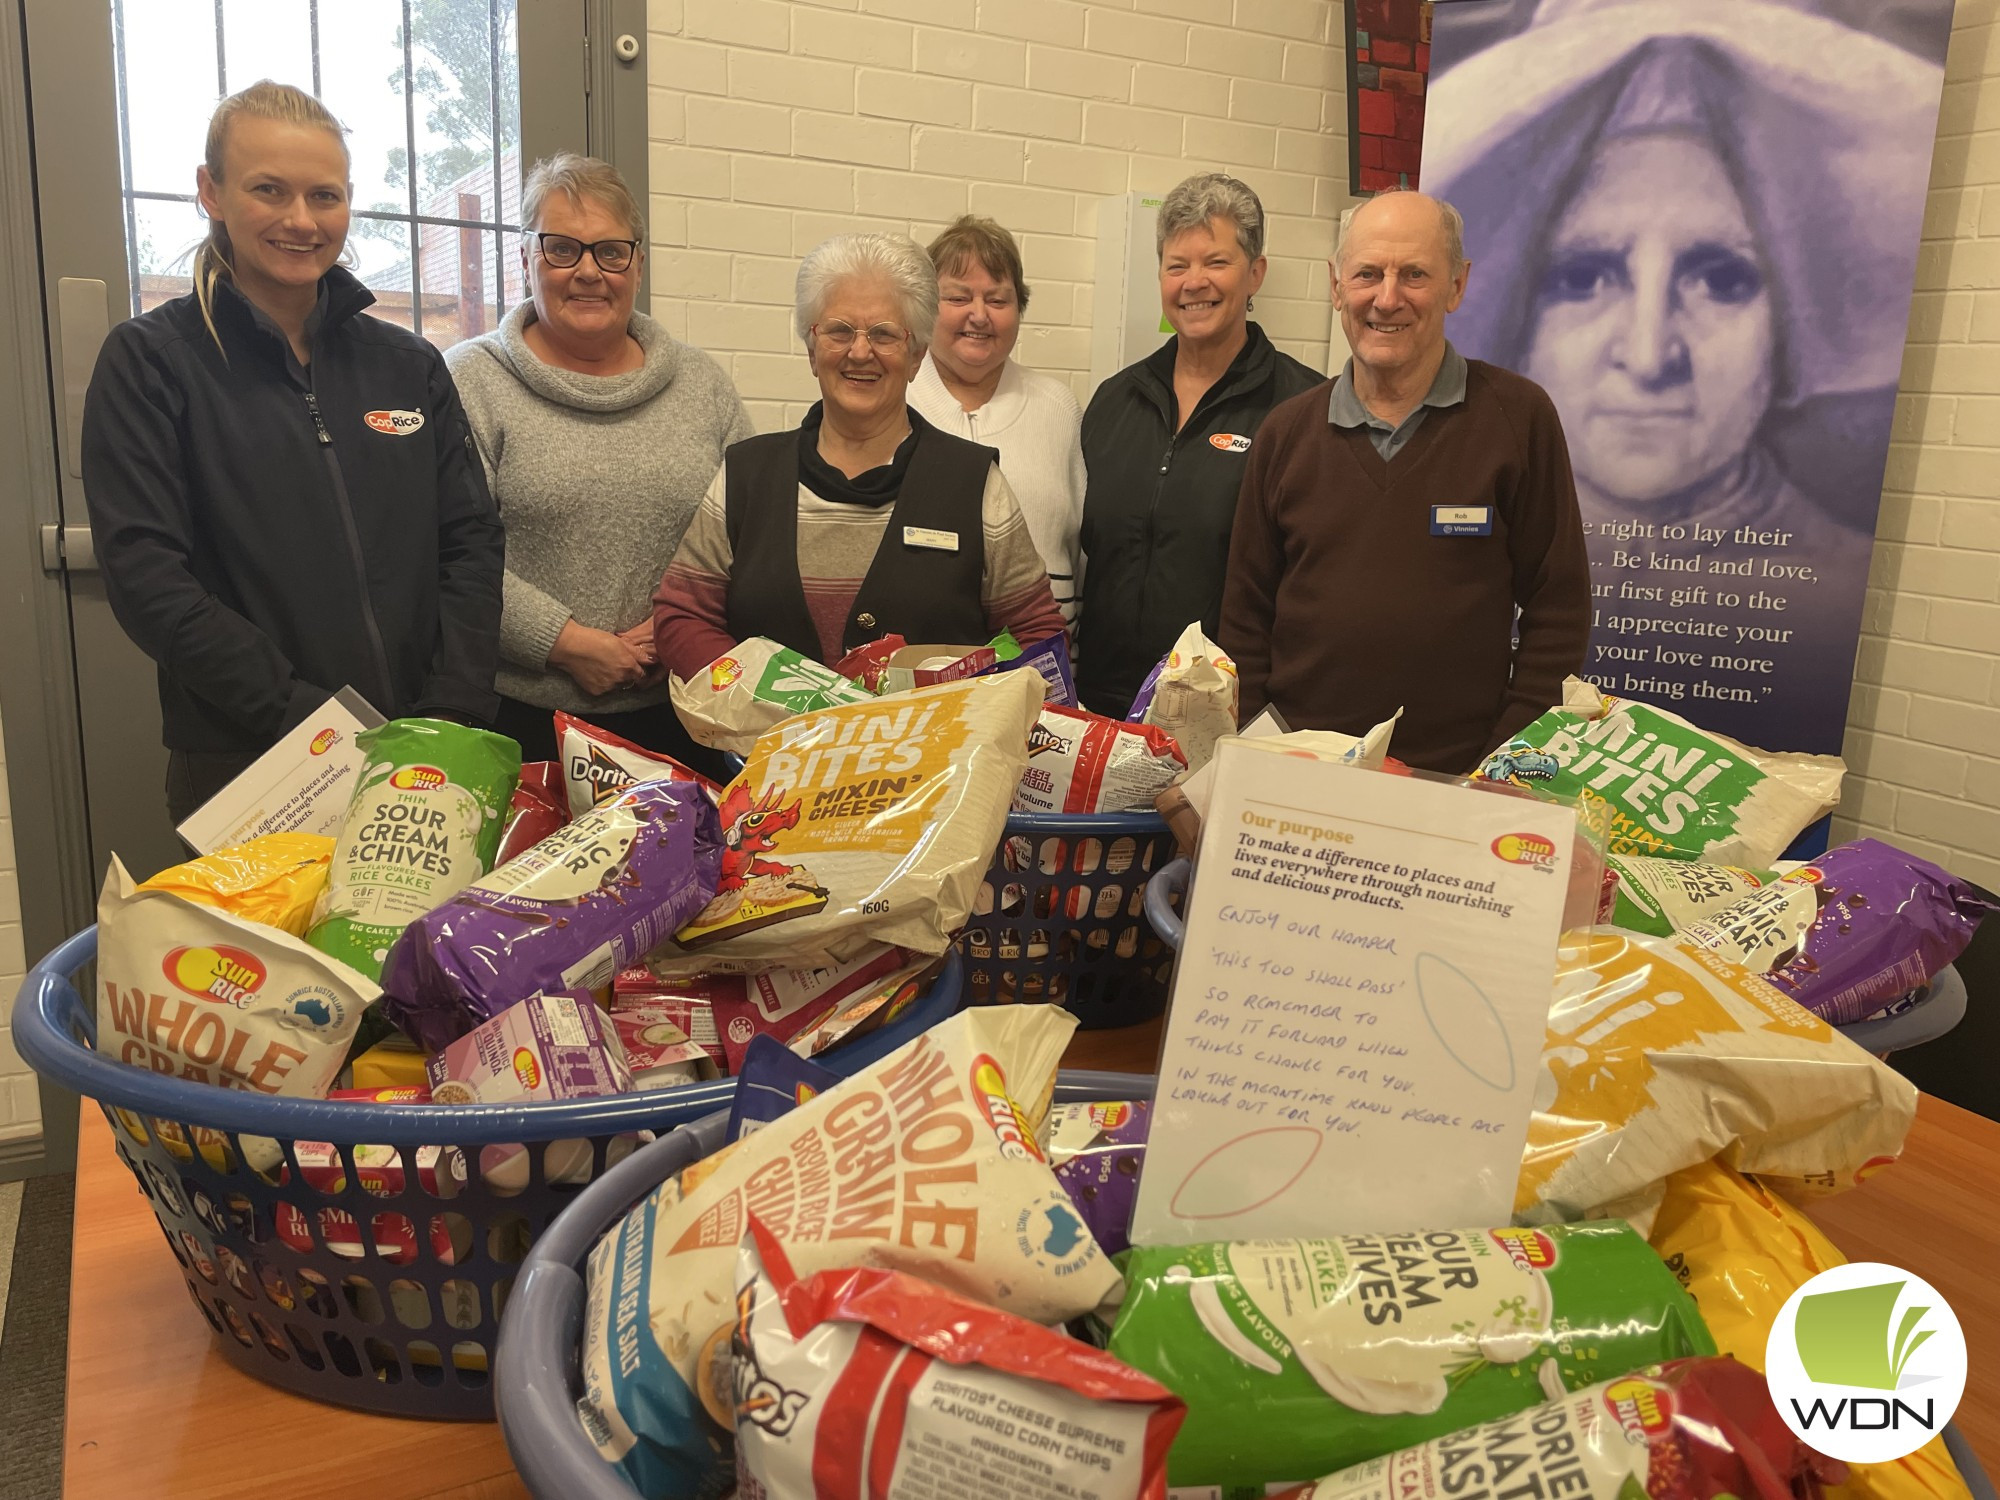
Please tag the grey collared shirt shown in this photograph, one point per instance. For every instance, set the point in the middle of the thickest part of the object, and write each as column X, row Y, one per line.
column 1346, row 410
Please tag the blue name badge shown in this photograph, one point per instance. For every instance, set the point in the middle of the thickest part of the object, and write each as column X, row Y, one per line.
column 1461, row 520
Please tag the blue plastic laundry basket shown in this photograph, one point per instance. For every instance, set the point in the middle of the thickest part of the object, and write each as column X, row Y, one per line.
column 541, row 1339
column 381, row 1290
column 1060, row 918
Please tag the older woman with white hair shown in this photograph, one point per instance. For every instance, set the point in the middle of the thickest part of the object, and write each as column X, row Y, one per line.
column 866, row 521
column 1165, row 442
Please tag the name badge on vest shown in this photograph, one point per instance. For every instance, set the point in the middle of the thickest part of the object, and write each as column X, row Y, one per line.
column 935, row 541
column 1461, row 520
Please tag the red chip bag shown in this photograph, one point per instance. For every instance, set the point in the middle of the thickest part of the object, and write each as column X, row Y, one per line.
column 866, row 663
column 597, row 765
column 860, row 1383
column 1692, row 1429
column 539, row 808
column 1084, row 763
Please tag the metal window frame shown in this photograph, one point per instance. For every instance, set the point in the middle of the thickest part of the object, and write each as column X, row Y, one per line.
column 412, row 217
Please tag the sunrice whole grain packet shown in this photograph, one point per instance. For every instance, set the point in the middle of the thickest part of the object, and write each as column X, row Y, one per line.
column 424, row 822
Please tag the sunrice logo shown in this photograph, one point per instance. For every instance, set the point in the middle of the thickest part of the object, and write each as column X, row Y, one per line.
column 1866, row 1363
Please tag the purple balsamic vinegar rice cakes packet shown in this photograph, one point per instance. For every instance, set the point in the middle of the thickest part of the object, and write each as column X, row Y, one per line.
column 565, row 914
column 1097, row 1151
column 1887, row 922
column 548, row 1047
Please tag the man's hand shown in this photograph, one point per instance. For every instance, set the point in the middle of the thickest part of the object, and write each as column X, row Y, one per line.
column 599, row 661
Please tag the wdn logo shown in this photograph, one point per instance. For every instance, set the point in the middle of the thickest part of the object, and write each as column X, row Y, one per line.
column 1866, row 1363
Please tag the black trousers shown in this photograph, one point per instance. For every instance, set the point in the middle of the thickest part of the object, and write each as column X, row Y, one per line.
column 193, row 776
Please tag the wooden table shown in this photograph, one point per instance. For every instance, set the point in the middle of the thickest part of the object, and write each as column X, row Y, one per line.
column 155, row 1411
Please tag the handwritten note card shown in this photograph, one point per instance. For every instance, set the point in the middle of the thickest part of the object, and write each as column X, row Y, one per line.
column 1359, row 1007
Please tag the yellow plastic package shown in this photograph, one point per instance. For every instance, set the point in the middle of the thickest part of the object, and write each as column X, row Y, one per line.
column 273, row 880
column 1741, row 1250
column 1661, row 1057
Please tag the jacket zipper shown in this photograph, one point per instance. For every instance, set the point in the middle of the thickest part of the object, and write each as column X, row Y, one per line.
column 387, row 703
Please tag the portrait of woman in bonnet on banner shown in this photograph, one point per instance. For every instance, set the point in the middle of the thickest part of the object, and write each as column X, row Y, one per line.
column 1695, row 224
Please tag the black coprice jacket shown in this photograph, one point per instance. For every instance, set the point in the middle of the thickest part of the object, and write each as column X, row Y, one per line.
column 270, row 533
column 1159, row 506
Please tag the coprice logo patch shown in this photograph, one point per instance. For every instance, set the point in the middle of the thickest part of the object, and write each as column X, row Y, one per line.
column 1866, row 1363
column 394, row 423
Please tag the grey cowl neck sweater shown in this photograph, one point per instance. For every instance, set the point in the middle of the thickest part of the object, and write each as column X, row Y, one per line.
column 596, row 477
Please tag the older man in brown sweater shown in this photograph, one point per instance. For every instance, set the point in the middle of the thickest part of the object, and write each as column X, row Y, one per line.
column 1393, row 522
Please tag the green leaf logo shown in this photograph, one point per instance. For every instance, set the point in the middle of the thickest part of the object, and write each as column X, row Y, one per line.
column 1843, row 1337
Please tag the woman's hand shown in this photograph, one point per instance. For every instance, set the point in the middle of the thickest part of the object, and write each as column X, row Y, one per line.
column 599, row 661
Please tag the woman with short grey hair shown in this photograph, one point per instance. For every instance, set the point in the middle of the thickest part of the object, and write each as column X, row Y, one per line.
column 599, row 432
column 866, row 521
column 1164, row 443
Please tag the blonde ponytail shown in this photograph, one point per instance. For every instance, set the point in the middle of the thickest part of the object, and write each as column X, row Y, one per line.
column 214, row 261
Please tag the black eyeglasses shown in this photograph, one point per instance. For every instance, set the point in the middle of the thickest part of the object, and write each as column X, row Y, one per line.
column 562, row 252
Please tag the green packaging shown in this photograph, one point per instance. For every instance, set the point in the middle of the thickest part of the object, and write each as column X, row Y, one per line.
column 1659, row 785
column 424, row 822
column 1664, row 896
column 1300, row 1357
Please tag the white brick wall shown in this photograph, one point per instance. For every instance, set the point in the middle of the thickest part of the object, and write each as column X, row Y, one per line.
column 20, row 1100
column 775, row 125
column 1923, row 735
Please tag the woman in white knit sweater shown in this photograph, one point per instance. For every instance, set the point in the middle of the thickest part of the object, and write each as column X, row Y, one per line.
column 969, row 386
column 599, row 433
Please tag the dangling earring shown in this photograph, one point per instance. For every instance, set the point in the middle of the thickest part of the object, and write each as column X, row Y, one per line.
column 1249, row 304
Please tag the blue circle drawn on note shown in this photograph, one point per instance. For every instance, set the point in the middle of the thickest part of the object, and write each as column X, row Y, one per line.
column 1447, row 994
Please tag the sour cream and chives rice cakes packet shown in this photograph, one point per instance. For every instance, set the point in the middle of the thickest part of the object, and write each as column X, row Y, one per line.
column 868, row 823
column 1662, row 896
column 274, row 880
column 856, row 1384
column 1856, row 930
column 585, row 902
column 1660, row 1056
column 760, row 684
column 1692, row 1429
column 424, row 822
column 1670, row 788
column 597, row 765
column 193, row 991
column 925, row 1162
column 1299, row 1357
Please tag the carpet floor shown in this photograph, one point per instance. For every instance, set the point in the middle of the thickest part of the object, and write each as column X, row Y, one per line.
column 34, row 1334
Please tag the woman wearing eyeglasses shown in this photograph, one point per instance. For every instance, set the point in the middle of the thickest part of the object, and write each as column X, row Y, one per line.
column 599, row 432
column 866, row 521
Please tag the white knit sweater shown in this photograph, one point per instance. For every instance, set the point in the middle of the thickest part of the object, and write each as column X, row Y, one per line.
column 1034, row 421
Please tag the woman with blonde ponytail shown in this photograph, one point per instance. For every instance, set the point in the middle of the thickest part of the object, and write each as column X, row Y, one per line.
column 283, row 490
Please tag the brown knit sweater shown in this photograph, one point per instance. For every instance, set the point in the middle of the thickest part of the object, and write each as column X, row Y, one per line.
column 1341, row 606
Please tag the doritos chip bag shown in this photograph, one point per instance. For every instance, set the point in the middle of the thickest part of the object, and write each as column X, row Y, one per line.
column 273, row 880
column 865, row 823
column 1668, row 788
column 597, row 765
column 1741, row 1251
column 1660, row 1056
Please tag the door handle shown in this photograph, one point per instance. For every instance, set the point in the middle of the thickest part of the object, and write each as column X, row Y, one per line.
column 68, row 549
column 83, row 317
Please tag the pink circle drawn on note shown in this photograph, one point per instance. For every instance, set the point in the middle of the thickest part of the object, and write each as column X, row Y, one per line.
column 1305, row 1144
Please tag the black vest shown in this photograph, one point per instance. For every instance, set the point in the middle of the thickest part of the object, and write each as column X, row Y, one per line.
column 927, row 595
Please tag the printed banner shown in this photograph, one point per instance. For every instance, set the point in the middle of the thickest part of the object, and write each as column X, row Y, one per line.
column 1695, row 224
